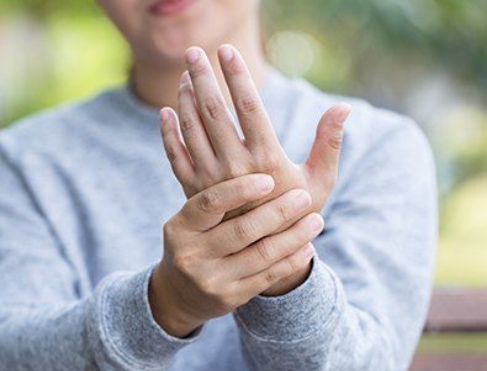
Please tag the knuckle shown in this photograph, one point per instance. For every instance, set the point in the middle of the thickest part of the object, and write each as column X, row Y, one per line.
column 199, row 70
column 265, row 248
column 209, row 201
column 270, row 277
column 237, row 69
column 188, row 123
column 284, row 211
column 244, row 229
column 213, row 108
column 335, row 141
column 293, row 264
column 171, row 154
column 184, row 261
column 184, row 89
column 247, row 105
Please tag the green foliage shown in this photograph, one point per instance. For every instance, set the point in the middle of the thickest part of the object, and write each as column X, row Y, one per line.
column 85, row 53
column 451, row 33
column 45, row 9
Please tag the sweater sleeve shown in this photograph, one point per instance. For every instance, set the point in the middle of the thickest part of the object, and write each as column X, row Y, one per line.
column 45, row 324
column 364, row 303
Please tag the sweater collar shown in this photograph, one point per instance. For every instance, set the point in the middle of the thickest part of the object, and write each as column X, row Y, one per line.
column 147, row 112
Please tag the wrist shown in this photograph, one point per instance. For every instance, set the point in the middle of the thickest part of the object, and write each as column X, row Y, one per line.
column 290, row 283
column 164, row 309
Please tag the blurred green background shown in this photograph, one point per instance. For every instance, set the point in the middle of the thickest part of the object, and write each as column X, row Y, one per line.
column 423, row 58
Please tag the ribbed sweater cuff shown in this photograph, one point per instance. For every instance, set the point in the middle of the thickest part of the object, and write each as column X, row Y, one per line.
column 129, row 334
column 294, row 316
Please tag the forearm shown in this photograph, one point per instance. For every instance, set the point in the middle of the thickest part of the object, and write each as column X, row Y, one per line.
column 314, row 328
column 111, row 330
column 45, row 338
column 290, row 332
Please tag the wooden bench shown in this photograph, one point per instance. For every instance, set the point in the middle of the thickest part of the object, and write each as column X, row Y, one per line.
column 455, row 311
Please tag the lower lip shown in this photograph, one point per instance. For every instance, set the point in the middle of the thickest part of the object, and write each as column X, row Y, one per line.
column 168, row 7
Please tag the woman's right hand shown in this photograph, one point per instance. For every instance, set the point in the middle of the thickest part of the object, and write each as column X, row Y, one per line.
column 210, row 267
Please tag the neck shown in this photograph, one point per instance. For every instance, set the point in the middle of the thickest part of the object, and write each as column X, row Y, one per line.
column 158, row 86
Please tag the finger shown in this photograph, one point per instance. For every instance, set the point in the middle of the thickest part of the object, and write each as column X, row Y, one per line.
column 192, row 129
column 256, row 125
column 175, row 150
column 236, row 234
column 207, row 208
column 258, row 283
column 216, row 117
column 270, row 250
column 325, row 151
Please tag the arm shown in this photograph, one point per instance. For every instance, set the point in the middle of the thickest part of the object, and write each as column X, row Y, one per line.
column 364, row 304
column 44, row 323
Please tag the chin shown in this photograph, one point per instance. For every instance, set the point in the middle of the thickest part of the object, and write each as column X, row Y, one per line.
column 163, row 50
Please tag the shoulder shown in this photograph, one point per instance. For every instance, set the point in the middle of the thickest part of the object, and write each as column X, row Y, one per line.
column 371, row 132
column 56, row 128
column 366, row 122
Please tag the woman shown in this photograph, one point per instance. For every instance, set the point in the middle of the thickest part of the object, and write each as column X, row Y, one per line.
column 86, row 190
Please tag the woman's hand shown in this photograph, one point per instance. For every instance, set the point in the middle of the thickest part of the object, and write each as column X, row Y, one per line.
column 212, row 150
column 211, row 267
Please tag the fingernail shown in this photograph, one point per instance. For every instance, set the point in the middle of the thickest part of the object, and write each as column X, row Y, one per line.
column 265, row 183
column 192, row 55
column 309, row 251
column 302, row 201
column 226, row 53
column 345, row 110
column 315, row 223
column 165, row 114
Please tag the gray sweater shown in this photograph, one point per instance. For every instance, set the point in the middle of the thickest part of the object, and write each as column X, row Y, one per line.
column 85, row 190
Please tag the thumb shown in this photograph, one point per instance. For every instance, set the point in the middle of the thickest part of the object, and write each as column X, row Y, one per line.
column 323, row 159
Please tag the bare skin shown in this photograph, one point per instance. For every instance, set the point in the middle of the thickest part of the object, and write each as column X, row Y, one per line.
column 212, row 151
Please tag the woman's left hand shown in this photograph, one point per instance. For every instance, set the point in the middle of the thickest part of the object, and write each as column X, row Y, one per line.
column 212, row 150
